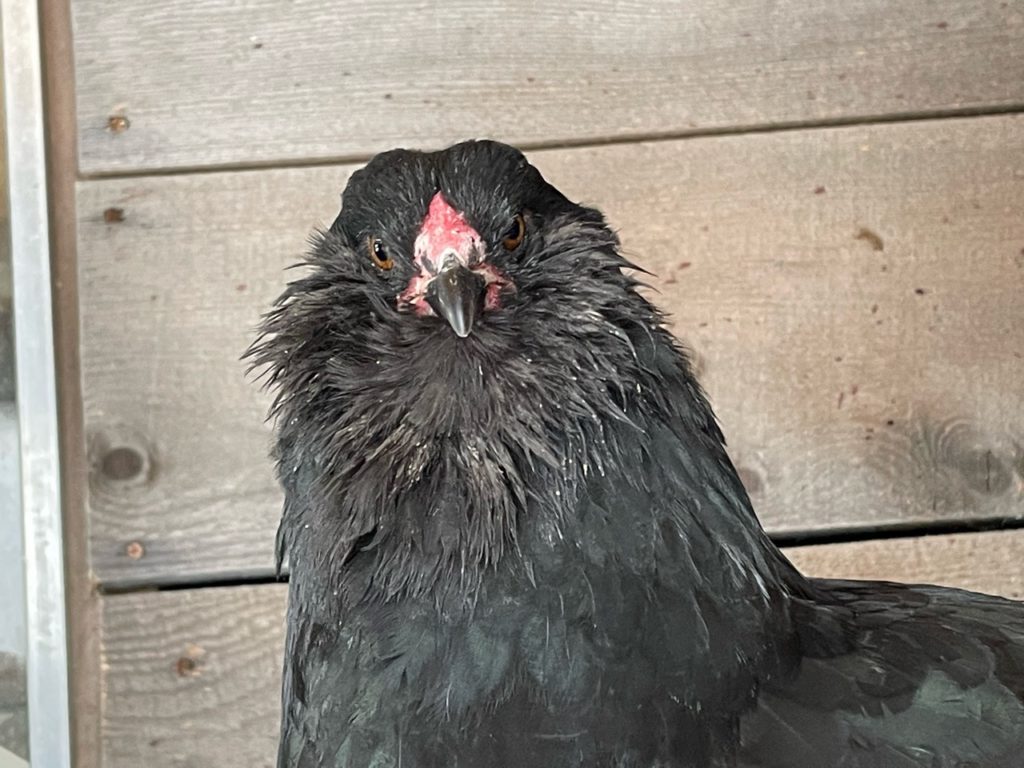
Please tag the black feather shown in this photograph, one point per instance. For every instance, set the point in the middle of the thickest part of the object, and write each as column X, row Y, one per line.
column 528, row 547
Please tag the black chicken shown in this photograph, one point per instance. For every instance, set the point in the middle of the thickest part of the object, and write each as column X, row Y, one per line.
column 516, row 540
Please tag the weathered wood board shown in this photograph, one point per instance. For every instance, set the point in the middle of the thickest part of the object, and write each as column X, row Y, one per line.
column 852, row 296
column 191, row 677
column 982, row 562
column 213, row 82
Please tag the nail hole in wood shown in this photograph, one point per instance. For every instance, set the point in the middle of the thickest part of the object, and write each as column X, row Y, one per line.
column 113, row 215
column 118, row 124
column 135, row 550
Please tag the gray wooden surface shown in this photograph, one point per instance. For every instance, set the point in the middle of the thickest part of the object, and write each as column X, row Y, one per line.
column 192, row 677
column 852, row 296
column 185, row 84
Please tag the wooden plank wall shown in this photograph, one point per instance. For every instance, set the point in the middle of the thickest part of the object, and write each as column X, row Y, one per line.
column 836, row 421
column 192, row 676
column 829, row 194
column 218, row 82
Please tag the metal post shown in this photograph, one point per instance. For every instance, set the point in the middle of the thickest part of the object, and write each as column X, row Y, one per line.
column 46, row 658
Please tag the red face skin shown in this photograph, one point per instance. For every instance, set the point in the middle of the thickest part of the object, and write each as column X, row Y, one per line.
column 446, row 239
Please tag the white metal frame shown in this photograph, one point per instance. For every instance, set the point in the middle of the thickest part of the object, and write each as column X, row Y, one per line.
column 46, row 657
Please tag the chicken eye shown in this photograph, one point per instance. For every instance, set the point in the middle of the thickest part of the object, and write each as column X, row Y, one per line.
column 513, row 238
column 379, row 254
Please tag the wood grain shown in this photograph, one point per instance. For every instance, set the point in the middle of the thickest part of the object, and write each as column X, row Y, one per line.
column 81, row 599
column 862, row 380
column 991, row 562
column 191, row 677
column 173, row 84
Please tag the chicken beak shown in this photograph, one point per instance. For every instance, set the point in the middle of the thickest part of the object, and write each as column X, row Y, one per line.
column 457, row 295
